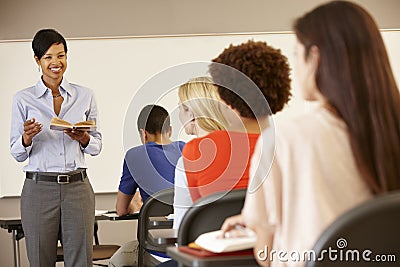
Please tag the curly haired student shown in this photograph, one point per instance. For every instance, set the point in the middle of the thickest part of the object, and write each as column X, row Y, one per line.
column 248, row 76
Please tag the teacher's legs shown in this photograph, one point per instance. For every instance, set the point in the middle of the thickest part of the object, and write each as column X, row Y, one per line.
column 44, row 205
column 40, row 216
column 77, row 223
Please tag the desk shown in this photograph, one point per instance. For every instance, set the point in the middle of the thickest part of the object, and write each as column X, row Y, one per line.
column 160, row 222
column 14, row 226
column 163, row 236
column 185, row 259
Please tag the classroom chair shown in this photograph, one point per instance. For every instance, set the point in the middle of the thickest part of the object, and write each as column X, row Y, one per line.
column 208, row 214
column 100, row 251
column 367, row 231
column 158, row 204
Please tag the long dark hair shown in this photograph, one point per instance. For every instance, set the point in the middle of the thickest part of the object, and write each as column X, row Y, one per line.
column 355, row 77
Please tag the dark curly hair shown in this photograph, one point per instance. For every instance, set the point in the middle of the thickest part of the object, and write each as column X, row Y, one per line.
column 261, row 63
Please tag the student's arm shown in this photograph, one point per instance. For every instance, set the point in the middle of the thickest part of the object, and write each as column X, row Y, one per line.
column 182, row 199
column 126, row 190
column 262, row 205
column 123, row 202
column 191, row 157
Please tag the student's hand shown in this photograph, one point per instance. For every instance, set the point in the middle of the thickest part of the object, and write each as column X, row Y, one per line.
column 31, row 128
column 136, row 203
column 232, row 226
column 81, row 136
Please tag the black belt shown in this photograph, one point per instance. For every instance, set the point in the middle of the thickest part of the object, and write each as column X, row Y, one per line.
column 60, row 178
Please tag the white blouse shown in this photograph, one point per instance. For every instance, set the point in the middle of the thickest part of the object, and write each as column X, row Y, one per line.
column 182, row 199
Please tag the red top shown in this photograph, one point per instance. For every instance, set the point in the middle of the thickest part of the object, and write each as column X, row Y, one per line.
column 217, row 162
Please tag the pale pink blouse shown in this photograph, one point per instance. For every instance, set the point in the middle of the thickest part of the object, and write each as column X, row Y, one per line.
column 313, row 180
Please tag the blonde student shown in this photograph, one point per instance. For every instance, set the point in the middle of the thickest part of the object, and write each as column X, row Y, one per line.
column 342, row 153
column 200, row 113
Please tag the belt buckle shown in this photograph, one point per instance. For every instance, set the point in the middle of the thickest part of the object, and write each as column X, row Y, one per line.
column 63, row 179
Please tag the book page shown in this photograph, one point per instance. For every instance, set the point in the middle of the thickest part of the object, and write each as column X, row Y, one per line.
column 213, row 241
column 61, row 125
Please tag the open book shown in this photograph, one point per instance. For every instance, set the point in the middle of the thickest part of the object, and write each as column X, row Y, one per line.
column 61, row 125
column 213, row 241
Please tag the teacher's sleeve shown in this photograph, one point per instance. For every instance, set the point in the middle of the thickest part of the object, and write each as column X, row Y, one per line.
column 18, row 118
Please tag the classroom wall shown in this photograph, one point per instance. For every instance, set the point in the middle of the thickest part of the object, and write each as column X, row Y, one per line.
column 20, row 19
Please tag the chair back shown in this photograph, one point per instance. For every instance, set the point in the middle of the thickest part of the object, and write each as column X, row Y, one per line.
column 362, row 236
column 158, row 204
column 208, row 214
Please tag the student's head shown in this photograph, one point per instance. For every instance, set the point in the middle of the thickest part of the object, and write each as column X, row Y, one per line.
column 265, row 66
column 199, row 106
column 342, row 61
column 50, row 49
column 153, row 120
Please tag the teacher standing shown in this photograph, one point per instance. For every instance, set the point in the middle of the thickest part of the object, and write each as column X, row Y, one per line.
column 57, row 195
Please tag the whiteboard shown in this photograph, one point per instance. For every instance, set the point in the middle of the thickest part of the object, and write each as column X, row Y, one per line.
column 115, row 68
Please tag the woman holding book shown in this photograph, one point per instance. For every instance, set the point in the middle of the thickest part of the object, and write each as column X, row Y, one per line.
column 345, row 151
column 57, row 196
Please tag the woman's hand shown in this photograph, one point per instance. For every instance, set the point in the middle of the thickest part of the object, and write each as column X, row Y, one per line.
column 81, row 136
column 231, row 225
column 31, row 128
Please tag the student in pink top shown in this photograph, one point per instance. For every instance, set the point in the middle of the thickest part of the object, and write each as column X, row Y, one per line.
column 344, row 152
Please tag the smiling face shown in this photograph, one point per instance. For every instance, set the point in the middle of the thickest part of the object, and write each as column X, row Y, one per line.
column 53, row 63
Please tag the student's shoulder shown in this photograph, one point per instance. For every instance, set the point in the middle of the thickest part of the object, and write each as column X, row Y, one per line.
column 180, row 144
column 136, row 151
column 213, row 135
column 308, row 127
column 192, row 147
column 293, row 128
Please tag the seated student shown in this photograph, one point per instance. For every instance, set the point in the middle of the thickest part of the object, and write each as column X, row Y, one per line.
column 248, row 75
column 219, row 161
column 341, row 154
column 149, row 168
column 200, row 113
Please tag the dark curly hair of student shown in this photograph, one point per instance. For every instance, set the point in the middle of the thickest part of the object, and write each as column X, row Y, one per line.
column 265, row 66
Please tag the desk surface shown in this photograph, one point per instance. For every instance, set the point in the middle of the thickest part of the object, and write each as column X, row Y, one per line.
column 11, row 223
column 186, row 259
column 160, row 222
column 163, row 236
column 14, row 223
